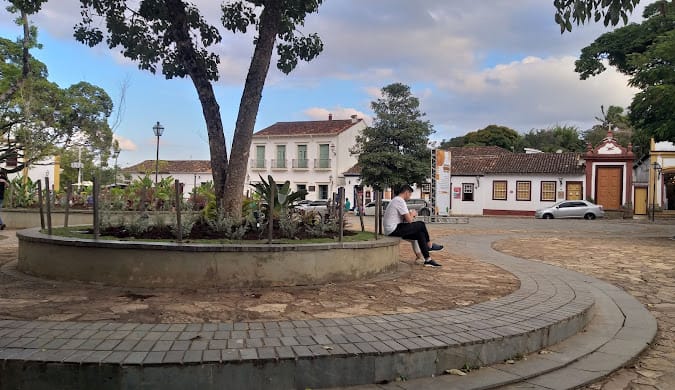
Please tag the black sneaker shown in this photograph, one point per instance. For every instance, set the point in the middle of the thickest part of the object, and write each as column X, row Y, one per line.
column 431, row 263
column 436, row 247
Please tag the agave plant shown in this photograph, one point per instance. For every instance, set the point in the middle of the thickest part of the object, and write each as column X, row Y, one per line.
column 23, row 191
column 283, row 195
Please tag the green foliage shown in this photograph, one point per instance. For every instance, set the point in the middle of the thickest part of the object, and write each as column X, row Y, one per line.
column 289, row 224
column 565, row 138
column 456, row 142
column 492, row 135
column 41, row 118
column 188, row 221
column 321, row 229
column 138, row 225
column 619, row 123
column 582, row 11
column 646, row 53
column 223, row 224
column 653, row 114
column 394, row 150
column 284, row 197
column 23, row 192
column 238, row 16
column 70, row 156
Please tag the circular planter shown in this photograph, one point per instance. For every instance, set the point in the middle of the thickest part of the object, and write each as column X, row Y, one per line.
column 150, row 264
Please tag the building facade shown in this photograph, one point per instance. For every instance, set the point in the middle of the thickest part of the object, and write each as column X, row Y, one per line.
column 312, row 155
column 609, row 174
column 662, row 176
column 191, row 173
column 505, row 183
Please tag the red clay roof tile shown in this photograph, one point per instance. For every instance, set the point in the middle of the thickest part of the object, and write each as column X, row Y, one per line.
column 330, row 127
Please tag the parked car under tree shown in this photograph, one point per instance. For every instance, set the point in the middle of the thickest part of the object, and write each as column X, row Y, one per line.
column 419, row 205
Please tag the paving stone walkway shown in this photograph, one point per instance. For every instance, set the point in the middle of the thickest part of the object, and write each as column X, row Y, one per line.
column 551, row 305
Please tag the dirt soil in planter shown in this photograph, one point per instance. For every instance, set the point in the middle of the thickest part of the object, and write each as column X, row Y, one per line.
column 460, row 282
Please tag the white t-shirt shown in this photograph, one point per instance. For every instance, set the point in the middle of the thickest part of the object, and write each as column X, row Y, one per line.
column 393, row 215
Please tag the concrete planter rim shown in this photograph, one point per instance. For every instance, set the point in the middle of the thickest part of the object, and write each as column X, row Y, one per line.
column 34, row 235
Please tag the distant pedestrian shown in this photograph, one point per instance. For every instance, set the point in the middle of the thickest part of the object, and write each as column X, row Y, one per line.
column 4, row 183
column 348, row 206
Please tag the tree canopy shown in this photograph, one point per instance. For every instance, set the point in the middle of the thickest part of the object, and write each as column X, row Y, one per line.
column 393, row 151
column 615, row 119
column 646, row 53
column 39, row 118
column 492, row 135
column 174, row 36
column 578, row 12
column 559, row 137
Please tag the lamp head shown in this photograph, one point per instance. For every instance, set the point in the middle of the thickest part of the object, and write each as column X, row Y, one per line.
column 158, row 129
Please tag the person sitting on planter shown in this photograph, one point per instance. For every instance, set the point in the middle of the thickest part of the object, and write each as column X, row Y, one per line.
column 398, row 221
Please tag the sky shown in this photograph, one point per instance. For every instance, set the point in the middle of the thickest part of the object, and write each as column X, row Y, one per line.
column 470, row 63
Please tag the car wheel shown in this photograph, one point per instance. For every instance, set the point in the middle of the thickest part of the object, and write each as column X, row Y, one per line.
column 548, row 216
column 424, row 212
column 589, row 216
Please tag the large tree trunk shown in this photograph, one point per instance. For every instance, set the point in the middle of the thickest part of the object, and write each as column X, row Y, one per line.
column 210, row 108
column 270, row 20
column 214, row 126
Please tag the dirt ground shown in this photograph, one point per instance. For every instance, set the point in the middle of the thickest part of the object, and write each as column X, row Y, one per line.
column 645, row 268
column 460, row 282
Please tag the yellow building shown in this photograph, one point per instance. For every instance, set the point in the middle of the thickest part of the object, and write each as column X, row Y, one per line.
column 662, row 177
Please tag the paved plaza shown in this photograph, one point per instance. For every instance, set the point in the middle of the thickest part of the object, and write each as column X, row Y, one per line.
column 635, row 256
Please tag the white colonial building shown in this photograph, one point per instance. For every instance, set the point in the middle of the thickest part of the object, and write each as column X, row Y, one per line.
column 495, row 181
column 312, row 155
column 191, row 173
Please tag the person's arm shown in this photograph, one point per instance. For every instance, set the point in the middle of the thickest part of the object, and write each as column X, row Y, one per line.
column 410, row 216
column 407, row 216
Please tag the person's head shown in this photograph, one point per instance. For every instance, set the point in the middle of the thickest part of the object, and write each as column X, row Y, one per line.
column 405, row 191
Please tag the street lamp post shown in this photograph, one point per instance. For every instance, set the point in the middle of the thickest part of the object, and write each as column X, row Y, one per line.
column 657, row 171
column 158, row 130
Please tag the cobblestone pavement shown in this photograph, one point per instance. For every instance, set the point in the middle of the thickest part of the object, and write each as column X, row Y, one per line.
column 411, row 288
column 637, row 257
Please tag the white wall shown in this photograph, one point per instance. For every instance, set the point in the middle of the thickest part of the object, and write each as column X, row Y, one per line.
column 460, row 207
column 483, row 187
column 341, row 161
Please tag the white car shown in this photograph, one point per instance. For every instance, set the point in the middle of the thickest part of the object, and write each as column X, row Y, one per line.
column 571, row 209
column 369, row 210
column 318, row 206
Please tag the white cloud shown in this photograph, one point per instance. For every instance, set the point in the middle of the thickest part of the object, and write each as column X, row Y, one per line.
column 320, row 113
column 471, row 63
column 526, row 94
column 125, row 143
column 373, row 92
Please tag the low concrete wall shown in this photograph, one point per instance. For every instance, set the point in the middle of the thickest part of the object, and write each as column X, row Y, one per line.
column 30, row 218
column 148, row 264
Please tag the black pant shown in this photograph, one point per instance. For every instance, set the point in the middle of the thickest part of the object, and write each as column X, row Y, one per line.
column 414, row 231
